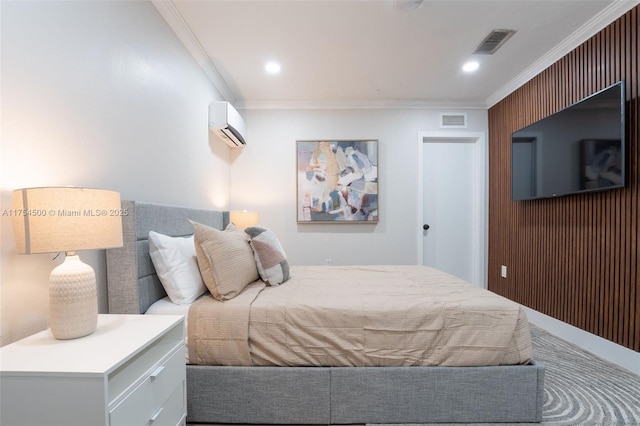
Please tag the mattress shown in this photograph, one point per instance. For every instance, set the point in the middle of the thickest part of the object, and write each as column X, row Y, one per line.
column 360, row 316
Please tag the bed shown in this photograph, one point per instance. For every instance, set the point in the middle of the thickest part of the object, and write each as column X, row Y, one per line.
column 315, row 394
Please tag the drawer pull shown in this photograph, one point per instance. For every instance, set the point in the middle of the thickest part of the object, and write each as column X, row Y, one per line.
column 156, row 415
column 157, row 372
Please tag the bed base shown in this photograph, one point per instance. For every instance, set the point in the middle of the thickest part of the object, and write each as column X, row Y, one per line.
column 348, row 395
column 316, row 395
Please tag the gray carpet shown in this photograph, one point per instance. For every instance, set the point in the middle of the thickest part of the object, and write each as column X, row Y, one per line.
column 582, row 389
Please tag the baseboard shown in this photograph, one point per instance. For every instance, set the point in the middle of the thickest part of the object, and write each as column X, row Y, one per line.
column 603, row 348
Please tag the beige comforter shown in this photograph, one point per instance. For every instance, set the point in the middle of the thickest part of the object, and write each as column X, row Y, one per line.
column 360, row 316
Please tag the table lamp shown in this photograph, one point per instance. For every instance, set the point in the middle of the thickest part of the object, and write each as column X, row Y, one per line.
column 57, row 219
column 243, row 219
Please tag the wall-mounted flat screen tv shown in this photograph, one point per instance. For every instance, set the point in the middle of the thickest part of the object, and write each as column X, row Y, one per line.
column 576, row 150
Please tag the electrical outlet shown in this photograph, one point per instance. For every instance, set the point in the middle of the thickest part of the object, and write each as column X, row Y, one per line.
column 503, row 271
column 329, row 261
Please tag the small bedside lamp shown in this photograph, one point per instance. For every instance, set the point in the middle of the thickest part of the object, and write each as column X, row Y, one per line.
column 243, row 219
column 55, row 219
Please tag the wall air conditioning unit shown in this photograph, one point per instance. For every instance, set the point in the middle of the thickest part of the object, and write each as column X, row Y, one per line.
column 227, row 124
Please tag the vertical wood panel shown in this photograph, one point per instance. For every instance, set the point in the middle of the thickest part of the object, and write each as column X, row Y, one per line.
column 633, row 216
column 573, row 258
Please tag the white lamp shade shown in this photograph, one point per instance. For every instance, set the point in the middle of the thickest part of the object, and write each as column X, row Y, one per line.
column 244, row 219
column 55, row 219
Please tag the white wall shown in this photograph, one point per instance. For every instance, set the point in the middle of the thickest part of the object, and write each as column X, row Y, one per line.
column 263, row 178
column 99, row 94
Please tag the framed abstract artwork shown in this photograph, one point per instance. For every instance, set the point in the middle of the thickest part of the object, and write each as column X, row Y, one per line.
column 337, row 181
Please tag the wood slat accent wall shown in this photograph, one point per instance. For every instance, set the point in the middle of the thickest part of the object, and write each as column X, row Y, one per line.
column 573, row 258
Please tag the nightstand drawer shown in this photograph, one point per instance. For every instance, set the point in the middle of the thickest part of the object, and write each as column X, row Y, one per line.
column 135, row 369
column 172, row 412
column 155, row 398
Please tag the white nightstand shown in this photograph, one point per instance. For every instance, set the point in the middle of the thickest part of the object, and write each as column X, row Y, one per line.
column 130, row 371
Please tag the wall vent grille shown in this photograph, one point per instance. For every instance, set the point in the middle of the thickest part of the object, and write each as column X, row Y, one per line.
column 453, row 120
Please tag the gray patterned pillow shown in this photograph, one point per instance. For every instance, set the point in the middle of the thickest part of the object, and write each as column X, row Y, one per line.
column 271, row 259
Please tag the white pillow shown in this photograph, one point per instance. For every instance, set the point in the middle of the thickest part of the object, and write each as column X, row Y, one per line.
column 175, row 261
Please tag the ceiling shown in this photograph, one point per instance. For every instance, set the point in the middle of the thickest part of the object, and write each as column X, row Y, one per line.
column 376, row 52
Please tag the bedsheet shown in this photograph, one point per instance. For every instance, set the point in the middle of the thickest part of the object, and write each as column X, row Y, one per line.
column 360, row 316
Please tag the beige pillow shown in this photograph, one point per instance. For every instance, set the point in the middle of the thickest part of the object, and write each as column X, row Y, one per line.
column 225, row 259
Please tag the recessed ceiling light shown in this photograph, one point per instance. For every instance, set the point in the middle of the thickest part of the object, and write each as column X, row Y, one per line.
column 272, row 67
column 470, row 66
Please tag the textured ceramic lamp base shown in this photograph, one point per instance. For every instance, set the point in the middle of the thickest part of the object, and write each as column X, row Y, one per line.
column 73, row 300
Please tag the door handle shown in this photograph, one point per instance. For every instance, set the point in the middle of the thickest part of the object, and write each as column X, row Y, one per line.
column 425, row 227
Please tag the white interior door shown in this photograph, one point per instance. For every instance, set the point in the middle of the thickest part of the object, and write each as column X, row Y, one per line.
column 453, row 206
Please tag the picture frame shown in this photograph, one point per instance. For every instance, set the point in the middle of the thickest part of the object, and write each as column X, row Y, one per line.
column 337, row 181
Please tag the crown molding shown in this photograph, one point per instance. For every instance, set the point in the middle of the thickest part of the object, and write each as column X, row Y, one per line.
column 609, row 14
column 171, row 15
column 358, row 104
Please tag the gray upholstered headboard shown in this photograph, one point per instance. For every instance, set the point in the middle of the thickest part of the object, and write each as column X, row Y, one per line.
column 132, row 283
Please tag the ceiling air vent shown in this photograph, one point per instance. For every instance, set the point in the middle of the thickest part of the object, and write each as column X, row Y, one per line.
column 453, row 120
column 493, row 42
